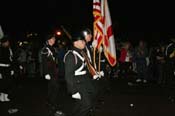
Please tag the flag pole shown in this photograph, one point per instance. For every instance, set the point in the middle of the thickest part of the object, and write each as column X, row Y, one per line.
column 99, row 63
column 94, row 56
column 94, row 48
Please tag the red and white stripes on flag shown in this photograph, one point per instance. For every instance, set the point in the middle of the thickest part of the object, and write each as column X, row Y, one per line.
column 103, row 30
column 98, row 23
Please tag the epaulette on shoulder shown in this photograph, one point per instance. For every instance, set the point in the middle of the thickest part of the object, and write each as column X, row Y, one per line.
column 68, row 52
column 44, row 50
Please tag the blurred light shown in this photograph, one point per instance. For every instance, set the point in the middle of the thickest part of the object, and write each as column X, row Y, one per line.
column 58, row 33
column 25, row 42
column 35, row 34
column 20, row 43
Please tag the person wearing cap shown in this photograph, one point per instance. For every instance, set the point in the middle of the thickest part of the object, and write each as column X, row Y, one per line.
column 6, row 72
column 50, row 71
column 100, row 83
column 87, row 34
column 77, row 77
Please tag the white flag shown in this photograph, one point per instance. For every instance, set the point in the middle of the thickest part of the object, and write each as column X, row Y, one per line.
column 108, row 42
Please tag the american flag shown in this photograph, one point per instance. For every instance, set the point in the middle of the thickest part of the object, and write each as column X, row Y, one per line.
column 98, row 23
column 103, row 30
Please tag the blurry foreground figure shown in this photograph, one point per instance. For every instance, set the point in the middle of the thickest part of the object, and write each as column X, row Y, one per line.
column 7, row 74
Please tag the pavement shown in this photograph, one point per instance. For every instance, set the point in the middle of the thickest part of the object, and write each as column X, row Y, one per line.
column 120, row 99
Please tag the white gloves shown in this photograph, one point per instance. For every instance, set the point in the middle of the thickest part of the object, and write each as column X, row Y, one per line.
column 101, row 73
column 20, row 67
column 12, row 72
column 147, row 61
column 98, row 75
column 47, row 77
column 76, row 96
column 0, row 76
column 94, row 43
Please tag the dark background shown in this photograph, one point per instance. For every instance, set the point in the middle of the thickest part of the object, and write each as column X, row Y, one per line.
column 131, row 19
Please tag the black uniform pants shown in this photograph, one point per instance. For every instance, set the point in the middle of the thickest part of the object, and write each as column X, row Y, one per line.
column 83, row 106
column 6, row 83
column 53, row 92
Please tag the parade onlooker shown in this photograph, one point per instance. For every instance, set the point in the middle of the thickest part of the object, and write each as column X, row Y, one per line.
column 160, row 65
column 141, row 60
column 125, row 59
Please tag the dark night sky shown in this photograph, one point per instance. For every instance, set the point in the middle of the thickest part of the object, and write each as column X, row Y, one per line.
column 139, row 18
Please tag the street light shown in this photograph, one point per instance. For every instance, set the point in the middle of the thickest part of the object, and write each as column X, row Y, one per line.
column 58, row 33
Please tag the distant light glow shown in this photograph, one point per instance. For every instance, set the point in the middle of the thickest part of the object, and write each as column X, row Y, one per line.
column 58, row 32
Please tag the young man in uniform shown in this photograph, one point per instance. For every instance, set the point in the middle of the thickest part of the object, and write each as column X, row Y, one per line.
column 99, row 82
column 51, row 74
column 79, row 85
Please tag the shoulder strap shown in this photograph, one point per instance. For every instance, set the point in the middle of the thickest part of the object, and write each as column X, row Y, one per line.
column 70, row 51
